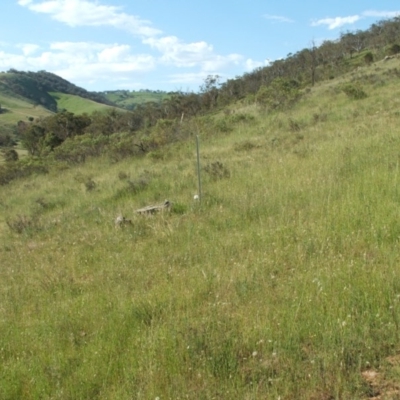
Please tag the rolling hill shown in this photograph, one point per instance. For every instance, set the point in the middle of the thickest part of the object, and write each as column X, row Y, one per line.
column 130, row 99
column 27, row 96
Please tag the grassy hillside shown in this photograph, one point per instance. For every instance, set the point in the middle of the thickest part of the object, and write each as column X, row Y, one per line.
column 283, row 283
column 27, row 96
column 130, row 99
column 16, row 109
column 76, row 104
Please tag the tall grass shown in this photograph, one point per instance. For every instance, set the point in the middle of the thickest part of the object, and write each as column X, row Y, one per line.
column 283, row 283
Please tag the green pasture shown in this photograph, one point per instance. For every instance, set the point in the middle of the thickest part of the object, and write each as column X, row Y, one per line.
column 77, row 105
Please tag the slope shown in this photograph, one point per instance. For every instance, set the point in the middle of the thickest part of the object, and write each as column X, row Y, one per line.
column 14, row 109
column 282, row 283
column 78, row 105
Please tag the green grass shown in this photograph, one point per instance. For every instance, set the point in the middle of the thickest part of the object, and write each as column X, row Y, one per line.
column 76, row 104
column 283, row 282
column 18, row 110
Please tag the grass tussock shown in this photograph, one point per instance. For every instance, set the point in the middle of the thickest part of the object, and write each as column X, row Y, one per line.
column 283, row 282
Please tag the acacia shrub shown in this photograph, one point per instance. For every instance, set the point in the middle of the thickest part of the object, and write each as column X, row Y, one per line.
column 354, row 91
column 280, row 94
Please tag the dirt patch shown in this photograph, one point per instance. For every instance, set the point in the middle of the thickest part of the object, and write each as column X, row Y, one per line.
column 384, row 384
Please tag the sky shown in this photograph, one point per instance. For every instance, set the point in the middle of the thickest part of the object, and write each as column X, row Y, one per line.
column 169, row 45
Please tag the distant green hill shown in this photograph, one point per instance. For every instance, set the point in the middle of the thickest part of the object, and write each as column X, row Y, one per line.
column 27, row 96
column 37, row 85
column 130, row 99
column 26, row 87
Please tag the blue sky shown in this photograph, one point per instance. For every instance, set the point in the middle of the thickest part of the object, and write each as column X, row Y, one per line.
column 169, row 44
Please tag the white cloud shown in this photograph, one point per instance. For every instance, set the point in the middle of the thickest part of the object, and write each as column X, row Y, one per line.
column 251, row 65
column 86, row 13
column 24, row 2
column 29, row 48
column 111, row 54
column 381, row 14
column 81, row 62
column 173, row 50
column 103, row 71
column 176, row 52
column 78, row 47
column 277, row 18
column 188, row 78
column 8, row 61
column 112, row 72
column 217, row 62
column 180, row 54
column 337, row 22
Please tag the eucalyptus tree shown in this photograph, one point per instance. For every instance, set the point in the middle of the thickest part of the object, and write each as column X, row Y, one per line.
column 209, row 91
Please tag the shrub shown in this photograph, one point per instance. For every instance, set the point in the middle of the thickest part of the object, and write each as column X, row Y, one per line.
column 217, row 170
column 280, row 94
column 90, row 185
column 124, row 146
column 21, row 169
column 76, row 150
column 122, row 175
column 394, row 49
column 6, row 139
column 10, row 155
column 354, row 91
column 369, row 58
column 223, row 125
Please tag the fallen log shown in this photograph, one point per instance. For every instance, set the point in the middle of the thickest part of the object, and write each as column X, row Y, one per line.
column 156, row 208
